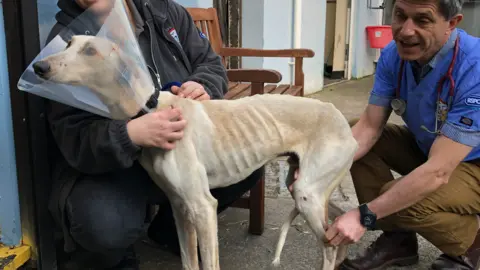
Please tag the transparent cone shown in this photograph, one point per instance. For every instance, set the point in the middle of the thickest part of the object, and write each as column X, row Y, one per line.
column 94, row 64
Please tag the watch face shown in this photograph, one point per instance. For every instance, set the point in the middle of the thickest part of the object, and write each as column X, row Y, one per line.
column 367, row 221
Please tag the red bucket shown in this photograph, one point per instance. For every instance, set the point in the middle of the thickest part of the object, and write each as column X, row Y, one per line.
column 379, row 35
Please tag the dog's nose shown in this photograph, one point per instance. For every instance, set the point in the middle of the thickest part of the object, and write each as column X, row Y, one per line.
column 41, row 67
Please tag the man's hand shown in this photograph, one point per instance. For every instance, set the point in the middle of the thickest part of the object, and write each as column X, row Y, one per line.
column 346, row 229
column 192, row 90
column 158, row 129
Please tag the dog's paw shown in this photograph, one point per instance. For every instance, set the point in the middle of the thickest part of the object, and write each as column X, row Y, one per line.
column 276, row 263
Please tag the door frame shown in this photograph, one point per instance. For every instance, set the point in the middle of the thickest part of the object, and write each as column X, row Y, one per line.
column 30, row 134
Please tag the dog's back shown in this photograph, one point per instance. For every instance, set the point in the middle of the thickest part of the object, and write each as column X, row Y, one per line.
column 235, row 137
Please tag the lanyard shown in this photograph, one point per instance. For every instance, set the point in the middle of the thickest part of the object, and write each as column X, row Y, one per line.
column 399, row 105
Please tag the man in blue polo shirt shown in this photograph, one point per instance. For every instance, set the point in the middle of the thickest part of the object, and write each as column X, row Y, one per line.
column 430, row 75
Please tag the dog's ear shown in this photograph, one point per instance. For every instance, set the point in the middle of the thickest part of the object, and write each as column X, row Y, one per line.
column 128, row 70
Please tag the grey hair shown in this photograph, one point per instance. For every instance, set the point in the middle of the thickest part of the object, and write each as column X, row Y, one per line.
column 450, row 8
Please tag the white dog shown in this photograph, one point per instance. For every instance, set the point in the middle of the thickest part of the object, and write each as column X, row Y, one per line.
column 223, row 143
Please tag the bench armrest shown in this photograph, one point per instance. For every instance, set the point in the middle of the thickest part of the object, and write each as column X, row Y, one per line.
column 247, row 52
column 254, row 75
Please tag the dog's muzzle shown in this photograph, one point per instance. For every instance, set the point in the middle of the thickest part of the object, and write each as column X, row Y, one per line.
column 41, row 68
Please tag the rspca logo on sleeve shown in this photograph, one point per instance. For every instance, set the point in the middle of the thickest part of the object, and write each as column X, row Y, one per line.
column 473, row 101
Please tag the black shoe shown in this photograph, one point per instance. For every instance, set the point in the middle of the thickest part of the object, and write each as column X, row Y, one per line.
column 129, row 261
column 390, row 249
column 469, row 261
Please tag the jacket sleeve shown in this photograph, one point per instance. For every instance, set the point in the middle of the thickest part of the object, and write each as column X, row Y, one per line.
column 89, row 143
column 208, row 68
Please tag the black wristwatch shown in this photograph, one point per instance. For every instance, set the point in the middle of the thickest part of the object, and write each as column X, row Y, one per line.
column 367, row 217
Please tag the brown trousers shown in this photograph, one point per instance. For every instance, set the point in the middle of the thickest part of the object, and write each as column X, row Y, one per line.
column 446, row 218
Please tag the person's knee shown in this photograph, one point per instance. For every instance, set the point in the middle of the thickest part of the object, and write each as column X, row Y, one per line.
column 103, row 219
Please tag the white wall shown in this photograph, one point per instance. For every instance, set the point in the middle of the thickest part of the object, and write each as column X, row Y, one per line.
column 471, row 15
column 253, row 30
column 363, row 57
column 195, row 3
column 269, row 24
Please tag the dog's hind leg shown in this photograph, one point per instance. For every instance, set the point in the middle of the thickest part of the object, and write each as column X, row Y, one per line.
column 335, row 211
column 283, row 235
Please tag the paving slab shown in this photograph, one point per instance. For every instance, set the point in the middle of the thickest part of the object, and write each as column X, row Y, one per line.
column 241, row 251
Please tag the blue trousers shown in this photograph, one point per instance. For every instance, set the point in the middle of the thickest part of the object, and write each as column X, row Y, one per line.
column 106, row 213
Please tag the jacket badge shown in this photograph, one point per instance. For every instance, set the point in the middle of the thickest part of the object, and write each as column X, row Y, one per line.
column 174, row 34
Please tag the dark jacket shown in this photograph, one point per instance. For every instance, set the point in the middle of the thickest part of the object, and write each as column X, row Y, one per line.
column 88, row 144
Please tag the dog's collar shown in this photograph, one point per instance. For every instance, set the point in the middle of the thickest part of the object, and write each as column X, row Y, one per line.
column 152, row 102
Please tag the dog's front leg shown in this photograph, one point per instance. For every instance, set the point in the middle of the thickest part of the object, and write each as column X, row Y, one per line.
column 187, row 236
column 206, row 223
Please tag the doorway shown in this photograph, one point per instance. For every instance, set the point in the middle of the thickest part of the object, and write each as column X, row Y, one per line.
column 336, row 41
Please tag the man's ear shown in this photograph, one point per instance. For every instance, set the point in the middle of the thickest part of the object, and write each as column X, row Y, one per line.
column 454, row 21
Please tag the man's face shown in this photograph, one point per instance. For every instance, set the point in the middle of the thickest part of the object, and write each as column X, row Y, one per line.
column 96, row 6
column 419, row 29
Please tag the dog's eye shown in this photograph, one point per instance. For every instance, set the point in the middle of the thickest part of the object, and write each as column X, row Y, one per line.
column 69, row 43
column 90, row 51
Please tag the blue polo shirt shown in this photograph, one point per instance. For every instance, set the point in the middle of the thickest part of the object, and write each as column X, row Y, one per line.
column 419, row 90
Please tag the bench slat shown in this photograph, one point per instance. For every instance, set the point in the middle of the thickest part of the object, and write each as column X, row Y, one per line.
column 234, row 92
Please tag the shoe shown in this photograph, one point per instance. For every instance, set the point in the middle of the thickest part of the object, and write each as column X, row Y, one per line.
column 469, row 261
column 390, row 249
column 129, row 261
column 87, row 261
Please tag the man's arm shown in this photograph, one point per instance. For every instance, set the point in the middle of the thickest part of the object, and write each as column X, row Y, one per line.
column 458, row 138
column 369, row 128
column 444, row 157
column 370, row 125
column 208, row 69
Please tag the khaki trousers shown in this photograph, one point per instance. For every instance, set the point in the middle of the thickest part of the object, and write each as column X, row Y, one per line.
column 446, row 218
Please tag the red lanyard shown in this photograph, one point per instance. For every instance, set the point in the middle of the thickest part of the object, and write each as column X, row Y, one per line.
column 448, row 76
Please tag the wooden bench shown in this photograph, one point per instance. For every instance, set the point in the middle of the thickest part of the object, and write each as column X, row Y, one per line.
column 245, row 82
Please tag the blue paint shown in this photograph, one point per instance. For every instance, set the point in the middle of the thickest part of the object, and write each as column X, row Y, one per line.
column 10, row 227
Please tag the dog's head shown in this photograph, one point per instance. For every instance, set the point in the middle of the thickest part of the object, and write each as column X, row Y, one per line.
column 100, row 65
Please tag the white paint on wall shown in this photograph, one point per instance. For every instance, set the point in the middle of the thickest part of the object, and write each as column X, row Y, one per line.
column 196, row 3
column 363, row 57
column 269, row 24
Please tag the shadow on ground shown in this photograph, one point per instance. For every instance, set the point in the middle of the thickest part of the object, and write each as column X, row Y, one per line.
column 241, row 251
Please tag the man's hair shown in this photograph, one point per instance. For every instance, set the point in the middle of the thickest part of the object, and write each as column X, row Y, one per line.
column 450, row 8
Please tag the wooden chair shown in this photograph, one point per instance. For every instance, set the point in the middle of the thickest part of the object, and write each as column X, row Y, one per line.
column 245, row 82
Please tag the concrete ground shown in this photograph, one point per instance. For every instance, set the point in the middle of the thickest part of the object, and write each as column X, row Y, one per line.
column 240, row 250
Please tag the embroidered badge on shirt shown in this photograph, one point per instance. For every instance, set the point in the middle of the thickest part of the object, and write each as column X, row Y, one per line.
column 442, row 109
column 466, row 121
column 174, row 34
column 473, row 100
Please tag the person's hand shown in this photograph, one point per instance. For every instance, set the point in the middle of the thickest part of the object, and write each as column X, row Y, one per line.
column 346, row 229
column 157, row 129
column 192, row 90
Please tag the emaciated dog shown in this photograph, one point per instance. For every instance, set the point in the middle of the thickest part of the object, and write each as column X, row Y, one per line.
column 223, row 143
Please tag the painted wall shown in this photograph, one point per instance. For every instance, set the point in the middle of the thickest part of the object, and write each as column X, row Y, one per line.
column 253, row 16
column 269, row 24
column 471, row 18
column 196, row 3
column 330, row 33
column 10, row 225
column 364, row 57
column 46, row 18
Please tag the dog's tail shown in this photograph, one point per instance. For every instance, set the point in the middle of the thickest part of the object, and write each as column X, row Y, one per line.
column 283, row 235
